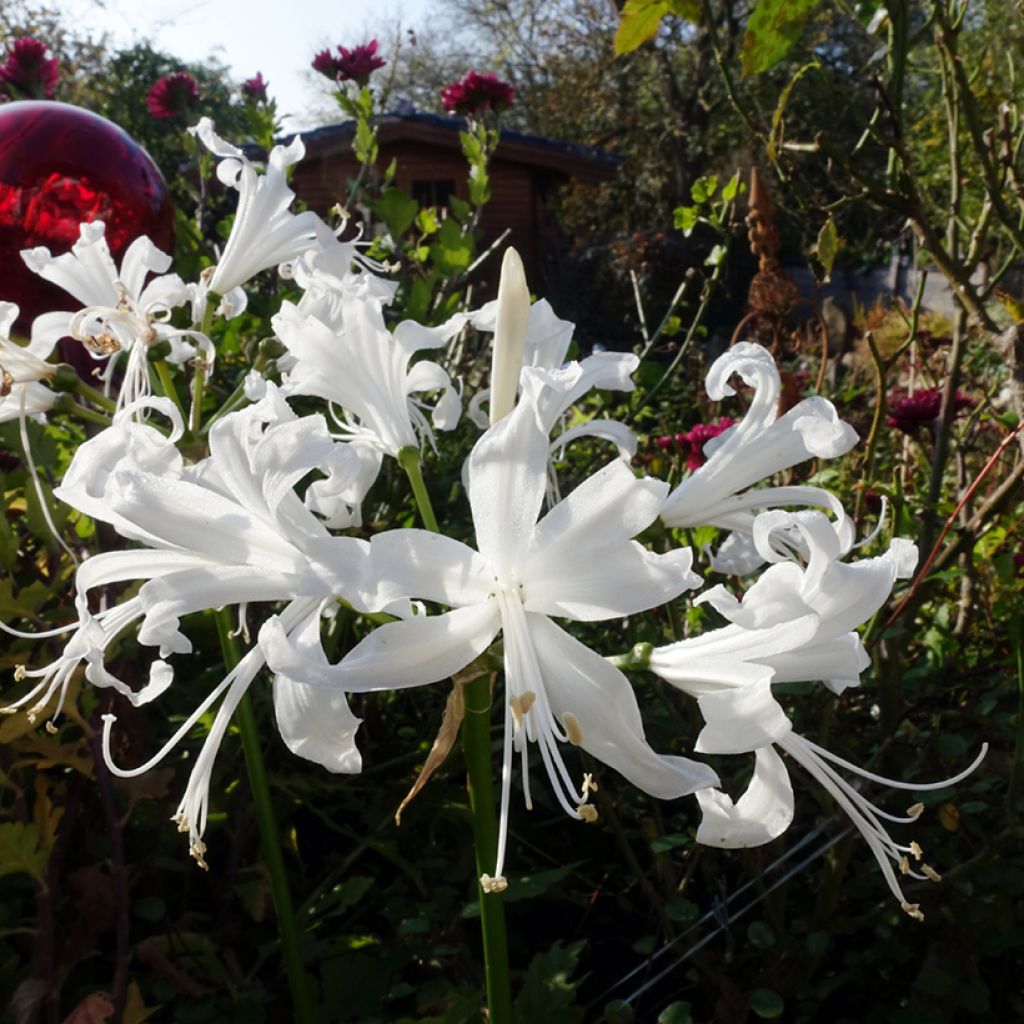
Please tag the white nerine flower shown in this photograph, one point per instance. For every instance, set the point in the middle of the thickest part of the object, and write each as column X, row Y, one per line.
column 228, row 530
column 122, row 312
column 578, row 562
column 794, row 624
column 22, row 368
column 717, row 493
column 265, row 233
column 365, row 370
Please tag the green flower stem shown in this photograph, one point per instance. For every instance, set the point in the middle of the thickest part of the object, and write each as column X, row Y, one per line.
column 163, row 372
column 302, row 1001
column 476, row 748
column 199, row 380
column 409, row 460
column 65, row 380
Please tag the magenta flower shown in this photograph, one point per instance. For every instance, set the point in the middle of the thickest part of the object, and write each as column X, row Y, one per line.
column 355, row 65
column 698, row 436
column 28, row 73
column 173, row 96
column 922, row 408
column 254, row 90
column 475, row 93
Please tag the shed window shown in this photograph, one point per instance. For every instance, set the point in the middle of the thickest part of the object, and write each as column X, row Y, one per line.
column 435, row 192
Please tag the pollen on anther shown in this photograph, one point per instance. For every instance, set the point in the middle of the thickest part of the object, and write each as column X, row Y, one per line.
column 51, row 728
column 489, row 885
column 930, row 872
column 904, row 866
column 572, row 729
column 916, row 851
column 912, row 910
column 589, row 785
column 520, row 706
column 915, row 811
column 197, row 849
column 588, row 812
column 20, row 672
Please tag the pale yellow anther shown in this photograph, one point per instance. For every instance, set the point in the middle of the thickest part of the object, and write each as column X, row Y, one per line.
column 31, row 716
column 930, row 872
column 915, row 811
column 572, row 729
column 904, row 866
column 20, row 672
column 181, row 821
column 913, row 910
column 520, row 706
column 488, row 884
column 197, row 849
column 588, row 812
column 916, row 851
column 51, row 728
column 589, row 785
column 515, row 705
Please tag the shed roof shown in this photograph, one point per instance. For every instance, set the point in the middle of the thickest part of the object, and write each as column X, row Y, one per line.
column 585, row 163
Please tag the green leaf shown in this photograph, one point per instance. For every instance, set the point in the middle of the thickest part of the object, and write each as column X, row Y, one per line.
column 676, row 1013
column 716, row 256
column 639, row 20
column 685, row 218
column 827, row 246
column 20, row 850
column 704, row 188
column 662, row 844
column 548, row 993
column 772, row 30
column 681, row 910
column 453, row 250
column 461, row 210
column 427, row 221
column 479, row 185
column 780, row 108
column 766, row 1004
column 732, row 188
column 397, row 210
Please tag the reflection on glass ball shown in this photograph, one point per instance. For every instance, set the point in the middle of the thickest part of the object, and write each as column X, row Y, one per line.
column 61, row 166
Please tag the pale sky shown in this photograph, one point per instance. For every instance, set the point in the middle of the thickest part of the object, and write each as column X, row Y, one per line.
column 277, row 37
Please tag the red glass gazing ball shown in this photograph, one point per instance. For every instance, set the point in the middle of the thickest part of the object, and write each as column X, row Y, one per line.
column 61, row 166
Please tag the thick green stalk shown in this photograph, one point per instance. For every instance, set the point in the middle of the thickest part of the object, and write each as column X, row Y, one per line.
column 303, row 1008
column 476, row 748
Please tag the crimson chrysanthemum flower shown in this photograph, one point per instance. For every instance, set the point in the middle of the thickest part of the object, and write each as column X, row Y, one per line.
column 355, row 65
column 173, row 96
column 255, row 89
column 28, row 72
column 923, row 407
column 475, row 93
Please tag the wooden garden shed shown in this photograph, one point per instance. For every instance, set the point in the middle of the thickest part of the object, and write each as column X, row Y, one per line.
column 524, row 172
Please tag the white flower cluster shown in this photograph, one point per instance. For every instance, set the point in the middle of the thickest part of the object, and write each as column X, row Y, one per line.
column 235, row 528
